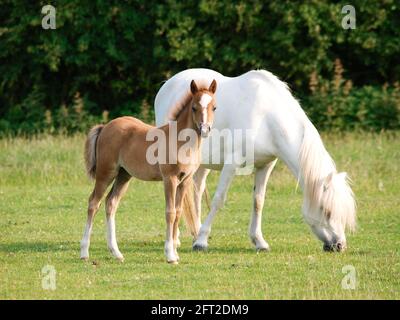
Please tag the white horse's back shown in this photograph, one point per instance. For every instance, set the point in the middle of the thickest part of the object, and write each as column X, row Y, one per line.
column 168, row 95
column 256, row 100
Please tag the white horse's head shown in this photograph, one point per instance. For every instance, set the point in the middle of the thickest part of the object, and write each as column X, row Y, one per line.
column 329, row 208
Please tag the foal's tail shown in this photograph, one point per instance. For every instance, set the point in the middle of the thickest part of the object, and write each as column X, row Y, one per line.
column 90, row 150
column 189, row 211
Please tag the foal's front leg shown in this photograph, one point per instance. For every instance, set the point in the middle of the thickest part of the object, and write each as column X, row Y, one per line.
column 170, row 185
column 180, row 195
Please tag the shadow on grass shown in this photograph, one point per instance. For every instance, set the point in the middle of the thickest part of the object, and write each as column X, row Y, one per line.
column 37, row 246
column 158, row 246
column 130, row 247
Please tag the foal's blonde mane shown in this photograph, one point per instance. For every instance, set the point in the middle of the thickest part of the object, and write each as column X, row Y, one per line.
column 176, row 111
column 180, row 106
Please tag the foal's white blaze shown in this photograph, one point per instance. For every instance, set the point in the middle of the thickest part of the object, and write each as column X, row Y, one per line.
column 204, row 101
column 204, row 113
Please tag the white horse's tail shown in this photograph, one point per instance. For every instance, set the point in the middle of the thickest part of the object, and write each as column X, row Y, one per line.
column 326, row 190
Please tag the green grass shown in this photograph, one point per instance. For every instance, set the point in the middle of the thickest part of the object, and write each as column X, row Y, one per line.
column 43, row 196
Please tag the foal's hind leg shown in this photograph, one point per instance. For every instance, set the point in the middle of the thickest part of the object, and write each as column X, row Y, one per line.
column 118, row 190
column 260, row 183
column 170, row 185
column 102, row 182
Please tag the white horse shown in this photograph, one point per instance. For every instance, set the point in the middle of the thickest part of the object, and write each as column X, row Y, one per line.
column 258, row 100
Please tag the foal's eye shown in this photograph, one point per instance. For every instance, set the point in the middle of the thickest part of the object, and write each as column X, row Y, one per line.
column 214, row 108
column 193, row 109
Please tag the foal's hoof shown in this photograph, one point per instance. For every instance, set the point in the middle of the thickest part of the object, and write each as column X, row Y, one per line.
column 119, row 257
column 199, row 247
column 173, row 262
column 84, row 258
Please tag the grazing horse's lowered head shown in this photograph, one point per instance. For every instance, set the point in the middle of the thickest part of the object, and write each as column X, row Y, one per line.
column 329, row 206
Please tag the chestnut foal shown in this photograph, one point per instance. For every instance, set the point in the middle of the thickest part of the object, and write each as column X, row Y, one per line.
column 125, row 148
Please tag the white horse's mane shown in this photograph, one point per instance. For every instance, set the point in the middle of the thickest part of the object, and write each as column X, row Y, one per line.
column 323, row 186
column 329, row 191
column 273, row 80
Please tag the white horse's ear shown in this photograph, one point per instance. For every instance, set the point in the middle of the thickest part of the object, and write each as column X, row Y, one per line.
column 327, row 181
column 329, row 178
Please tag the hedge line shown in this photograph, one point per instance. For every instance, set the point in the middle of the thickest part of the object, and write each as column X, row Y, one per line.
column 108, row 58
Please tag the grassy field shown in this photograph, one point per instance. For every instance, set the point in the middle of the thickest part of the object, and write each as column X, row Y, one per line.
column 43, row 196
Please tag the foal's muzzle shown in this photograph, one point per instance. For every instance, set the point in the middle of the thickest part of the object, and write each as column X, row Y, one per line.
column 205, row 129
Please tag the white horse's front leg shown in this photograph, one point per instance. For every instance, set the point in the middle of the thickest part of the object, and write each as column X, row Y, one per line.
column 260, row 183
column 227, row 174
column 199, row 180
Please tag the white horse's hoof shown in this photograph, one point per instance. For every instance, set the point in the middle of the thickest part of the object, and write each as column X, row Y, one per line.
column 199, row 247
column 263, row 249
column 84, row 253
column 173, row 262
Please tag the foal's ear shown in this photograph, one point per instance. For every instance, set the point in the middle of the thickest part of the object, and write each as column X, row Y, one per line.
column 193, row 87
column 213, row 86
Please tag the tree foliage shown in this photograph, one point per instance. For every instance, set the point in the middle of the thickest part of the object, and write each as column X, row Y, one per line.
column 114, row 55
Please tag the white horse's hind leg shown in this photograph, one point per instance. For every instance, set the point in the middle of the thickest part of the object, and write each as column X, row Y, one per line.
column 227, row 174
column 199, row 180
column 260, row 183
